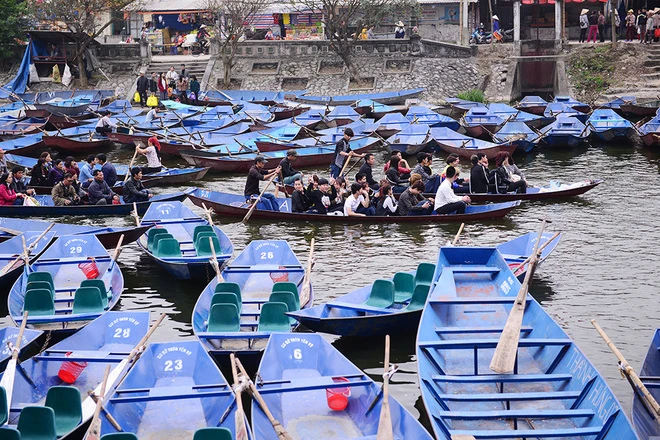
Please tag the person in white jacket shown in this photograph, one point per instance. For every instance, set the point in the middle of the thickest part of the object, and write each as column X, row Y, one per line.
column 446, row 202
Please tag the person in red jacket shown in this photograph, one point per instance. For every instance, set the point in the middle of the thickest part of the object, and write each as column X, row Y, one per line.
column 7, row 195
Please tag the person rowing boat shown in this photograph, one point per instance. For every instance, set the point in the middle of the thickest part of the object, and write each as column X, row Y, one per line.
column 256, row 174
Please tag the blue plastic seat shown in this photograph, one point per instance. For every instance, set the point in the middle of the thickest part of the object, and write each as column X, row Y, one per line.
column 88, row 300
column 99, row 284
column 288, row 287
column 120, row 436
column 151, row 236
column 203, row 245
column 213, row 434
column 42, row 276
column 404, row 286
column 226, row 298
column 288, row 299
column 418, row 299
column 424, row 273
column 224, row 317
column 168, row 248
column 273, row 318
column 228, row 287
column 39, row 302
column 157, row 239
column 9, row 434
column 4, row 410
column 202, row 228
column 37, row 423
column 67, row 405
column 381, row 295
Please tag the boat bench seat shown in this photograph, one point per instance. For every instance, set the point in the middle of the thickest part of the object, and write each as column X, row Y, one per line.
column 510, row 397
column 497, row 378
column 362, row 308
column 475, row 269
column 466, row 330
column 532, row 433
column 532, row 413
column 457, row 344
column 172, row 393
column 82, row 356
column 314, row 383
column 477, row 300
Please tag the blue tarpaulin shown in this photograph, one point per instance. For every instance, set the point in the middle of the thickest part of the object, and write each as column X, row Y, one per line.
column 20, row 81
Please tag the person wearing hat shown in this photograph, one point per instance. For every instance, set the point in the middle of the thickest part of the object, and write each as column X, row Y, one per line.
column 289, row 174
column 399, row 31
column 342, row 152
column 496, row 23
column 631, row 29
column 202, row 37
column 584, row 25
column 256, row 174
column 134, row 190
column 324, row 199
column 152, row 153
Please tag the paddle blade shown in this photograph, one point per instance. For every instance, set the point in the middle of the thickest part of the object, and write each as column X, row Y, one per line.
column 239, row 422
column 385, row 423
column 504, row 358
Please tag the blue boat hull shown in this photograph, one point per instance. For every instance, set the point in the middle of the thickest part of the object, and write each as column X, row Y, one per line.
column 644, row 423
column 554, row 391
column 624, row 134
column 563, row 141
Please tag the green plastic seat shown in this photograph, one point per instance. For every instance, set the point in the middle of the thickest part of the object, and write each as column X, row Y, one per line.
column 67, row 405
column 39, row 302
column 202, row 228
column 288, row 299
column 4, row 410
column 381, row 295
column 203, row 245
column 42, row 276
column 88, row 300
column 40, row 285
column 404, row 286
column 228, row 287
column 213, row 434
column 9, row 434
column 151, row 236
column 168, row 248
column 288, row 287
column 224, row 318
column 37, row 423
column 273, row 318
column 418, row 299
column 424, row 273
column 204, row 234
column 106, row 295
column 157, row 239
column 120, row 436
column 226, row 298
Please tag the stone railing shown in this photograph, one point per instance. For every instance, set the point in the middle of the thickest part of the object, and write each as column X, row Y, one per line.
column 124, row 51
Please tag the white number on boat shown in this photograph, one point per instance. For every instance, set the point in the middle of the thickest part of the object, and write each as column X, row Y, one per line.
column 176, row 364
column 76, row 249
column 267, row 255
column 297, row 354
column 122, row 332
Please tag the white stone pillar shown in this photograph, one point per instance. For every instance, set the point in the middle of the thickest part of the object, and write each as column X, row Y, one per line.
column 516, row 20
column 464, row 24
column 558, row 20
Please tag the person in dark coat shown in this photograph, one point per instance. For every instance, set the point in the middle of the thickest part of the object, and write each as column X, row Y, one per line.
column 134, row 190
column 109, row 170
column 299, row 200
column 17, row 183
column 142, row 88
column 368, row 171
column 99, row 191
column 479, row 175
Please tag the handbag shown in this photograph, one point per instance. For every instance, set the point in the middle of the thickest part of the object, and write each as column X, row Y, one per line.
column 152, row 101
column 30, row 201
column 656, row 33
column 136, row 97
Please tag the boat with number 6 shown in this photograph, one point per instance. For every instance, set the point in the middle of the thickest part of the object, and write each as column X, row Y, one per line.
column 554, row 390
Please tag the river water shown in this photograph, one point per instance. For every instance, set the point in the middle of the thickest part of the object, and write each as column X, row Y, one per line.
column 603, row 268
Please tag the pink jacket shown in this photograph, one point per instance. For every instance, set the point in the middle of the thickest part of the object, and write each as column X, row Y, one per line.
column 7, row 195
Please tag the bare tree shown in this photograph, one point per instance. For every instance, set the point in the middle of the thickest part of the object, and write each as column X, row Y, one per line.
column 85, row 19
column 233, row 18
column 338, row 16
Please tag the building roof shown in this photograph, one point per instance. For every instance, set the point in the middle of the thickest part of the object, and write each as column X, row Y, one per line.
column 443, row 2
column 168, row 6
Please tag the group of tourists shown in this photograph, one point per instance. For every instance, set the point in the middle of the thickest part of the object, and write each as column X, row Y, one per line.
column 167, row 85
column 643, row 26
column 366, row 196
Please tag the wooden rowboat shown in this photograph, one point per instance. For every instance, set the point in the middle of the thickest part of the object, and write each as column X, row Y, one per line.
column 465, row 146
column 300, row 371
column 645, row 422
column 11, row 251
column 547, row 396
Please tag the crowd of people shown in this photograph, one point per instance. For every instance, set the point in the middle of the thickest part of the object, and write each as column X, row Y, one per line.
column 367, row 197
column 643, row 26
column 168, row 85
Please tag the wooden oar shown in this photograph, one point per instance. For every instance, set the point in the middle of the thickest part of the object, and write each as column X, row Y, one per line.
column 239, row 417
column 130, row 165
column 208, row 214
column 521, row 265
column 10, row 231
column 214, row 262
column 29, row 248
column 279, row 429
column 638, row 386
column 351, row 168
column 94, row 431
column 348, row 159
column 385, row 422
column 118, row 248
column 285, row 191
column 10, row 371
column 135, row 214
column 256, row 202
column 306, row 289
column 506, row 351
column 458, row 234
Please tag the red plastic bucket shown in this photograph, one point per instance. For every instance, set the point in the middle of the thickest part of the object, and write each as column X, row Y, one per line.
column 70, row 370
column 338, row 397
column 279, row 277
column 90, row 269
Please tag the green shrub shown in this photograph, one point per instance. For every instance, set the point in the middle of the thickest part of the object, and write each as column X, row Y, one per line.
column 474, row 95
